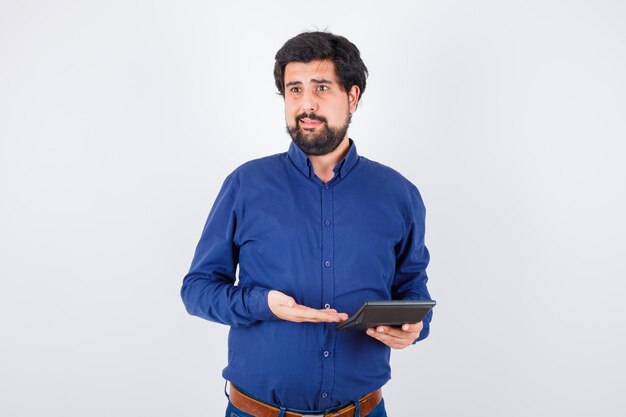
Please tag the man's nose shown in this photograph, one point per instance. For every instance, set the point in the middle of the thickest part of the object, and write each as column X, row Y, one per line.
column 309, row 101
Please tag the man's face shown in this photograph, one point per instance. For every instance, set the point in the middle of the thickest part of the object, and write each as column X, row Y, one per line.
column 317, row 108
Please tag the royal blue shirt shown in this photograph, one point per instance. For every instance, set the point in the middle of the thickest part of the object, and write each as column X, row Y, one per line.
column 358, row 237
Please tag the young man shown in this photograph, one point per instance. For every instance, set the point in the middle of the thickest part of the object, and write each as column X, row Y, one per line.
column 316, row 232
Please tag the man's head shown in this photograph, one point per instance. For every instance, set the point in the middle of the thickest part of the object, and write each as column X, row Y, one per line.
column 322, row 78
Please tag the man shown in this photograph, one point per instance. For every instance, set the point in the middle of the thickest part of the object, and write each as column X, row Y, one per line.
column 316, row 232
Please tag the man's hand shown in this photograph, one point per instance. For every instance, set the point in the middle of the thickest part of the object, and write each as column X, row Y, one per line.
column 286, row 308
column 397, row 338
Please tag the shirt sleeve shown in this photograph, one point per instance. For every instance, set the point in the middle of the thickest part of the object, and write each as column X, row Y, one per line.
column 412, row 258
column 209, row 289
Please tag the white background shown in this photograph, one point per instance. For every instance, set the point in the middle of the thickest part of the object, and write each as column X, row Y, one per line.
column 119, row 121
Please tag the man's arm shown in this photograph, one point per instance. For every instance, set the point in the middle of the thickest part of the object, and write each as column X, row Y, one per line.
column 410, row 278
column 209, row 289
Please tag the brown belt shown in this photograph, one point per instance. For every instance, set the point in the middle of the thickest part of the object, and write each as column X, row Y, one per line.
column 258, row 409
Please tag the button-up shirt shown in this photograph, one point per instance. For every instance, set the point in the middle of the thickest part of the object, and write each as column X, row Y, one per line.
column 357, row 237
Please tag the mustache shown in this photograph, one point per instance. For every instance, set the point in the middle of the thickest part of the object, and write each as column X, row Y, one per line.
column 312, row 116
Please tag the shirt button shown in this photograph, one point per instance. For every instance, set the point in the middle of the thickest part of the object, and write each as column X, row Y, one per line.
column 324, row 395
column 326, row 353
column 327, row 264
column 327, row 222
column 326, row 305
column 326, row 186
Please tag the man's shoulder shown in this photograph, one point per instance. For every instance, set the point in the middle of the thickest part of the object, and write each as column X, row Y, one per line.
column 259, row 166
column 386, row 174
column 395, row 187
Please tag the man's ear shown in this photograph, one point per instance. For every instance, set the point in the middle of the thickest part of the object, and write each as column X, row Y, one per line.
column 353, row 97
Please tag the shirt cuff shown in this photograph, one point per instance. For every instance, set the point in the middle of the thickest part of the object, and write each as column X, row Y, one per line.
column 426, row 329
column 257, row 304
column 424, row 333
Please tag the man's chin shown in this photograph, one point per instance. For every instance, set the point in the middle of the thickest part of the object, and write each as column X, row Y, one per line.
column 316, row 141
column 310, row 136
column 307, row 134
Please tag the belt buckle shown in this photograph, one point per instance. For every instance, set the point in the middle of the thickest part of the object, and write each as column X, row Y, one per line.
column 312, row 415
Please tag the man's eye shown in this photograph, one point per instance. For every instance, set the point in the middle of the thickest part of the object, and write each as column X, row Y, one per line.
column 294, row 89
column 323, row 88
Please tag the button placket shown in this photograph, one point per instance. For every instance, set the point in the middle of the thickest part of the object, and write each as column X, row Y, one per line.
column 328, row 285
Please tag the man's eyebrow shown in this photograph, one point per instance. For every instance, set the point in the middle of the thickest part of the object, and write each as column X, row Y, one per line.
column 321, row 81
column 313, row 80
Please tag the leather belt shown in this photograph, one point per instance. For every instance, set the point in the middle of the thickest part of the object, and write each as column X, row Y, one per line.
column 259, row 409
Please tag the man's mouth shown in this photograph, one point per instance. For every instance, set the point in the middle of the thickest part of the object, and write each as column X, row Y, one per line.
column 308, row 123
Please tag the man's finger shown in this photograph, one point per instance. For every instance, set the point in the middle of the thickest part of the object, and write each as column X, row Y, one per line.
column 398, row 334
column 407, row 331
column 325, row 313
column 393, row 331
column 413, row 327
column 389, row 340
column 310, row 314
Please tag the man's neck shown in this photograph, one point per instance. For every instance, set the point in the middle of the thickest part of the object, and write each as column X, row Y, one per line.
column 323, row 164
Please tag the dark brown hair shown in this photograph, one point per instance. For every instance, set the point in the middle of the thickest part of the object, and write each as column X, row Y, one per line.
column 310, row 46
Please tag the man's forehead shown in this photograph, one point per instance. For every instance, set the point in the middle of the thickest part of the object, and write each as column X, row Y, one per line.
column 305, row 71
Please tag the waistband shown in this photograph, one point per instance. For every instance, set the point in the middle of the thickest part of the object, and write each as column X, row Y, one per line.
column 258, row 408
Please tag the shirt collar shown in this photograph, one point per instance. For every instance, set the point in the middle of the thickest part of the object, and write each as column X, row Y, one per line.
column 303, row 163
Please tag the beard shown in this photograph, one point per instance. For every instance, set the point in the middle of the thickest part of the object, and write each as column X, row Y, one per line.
column 325, row 141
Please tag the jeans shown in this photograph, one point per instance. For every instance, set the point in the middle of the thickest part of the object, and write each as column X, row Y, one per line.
column 379, row 411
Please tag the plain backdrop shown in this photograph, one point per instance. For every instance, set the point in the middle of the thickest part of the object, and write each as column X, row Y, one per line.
column 119, row 121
